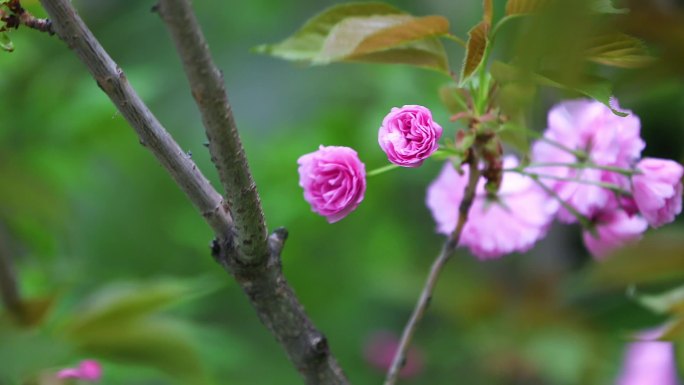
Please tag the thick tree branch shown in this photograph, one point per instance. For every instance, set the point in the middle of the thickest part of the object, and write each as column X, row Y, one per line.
column 227, row 153
column 278, row 308
column 426, row 294
column 255, row 259
column 256, row 264
column 111, row 79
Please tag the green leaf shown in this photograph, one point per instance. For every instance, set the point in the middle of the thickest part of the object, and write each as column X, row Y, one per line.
column 368, row 32
column 128, row 301
column 477, row 43
column 605, row 6
column 518, row 7
column 454, row 98
column 157, row 342
column 515, row 135
column 618, row 50
column 595, row 88
column 627, row 267
column 5, row 42
column 670, row 302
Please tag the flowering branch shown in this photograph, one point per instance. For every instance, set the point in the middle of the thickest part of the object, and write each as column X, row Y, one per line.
column 617, row 170
column 426, row 294
column 608, row 186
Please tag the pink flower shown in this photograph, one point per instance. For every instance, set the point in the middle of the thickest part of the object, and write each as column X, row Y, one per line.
column 514, row 222
column 614, row 229
column 606, row 139
column 334, row 181
column 87, row 370
column 408, row 135
column 649, row 363
column 379, row 351
column 657, row 191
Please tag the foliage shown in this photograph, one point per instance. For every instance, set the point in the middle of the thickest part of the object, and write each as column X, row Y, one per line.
column 85, row 206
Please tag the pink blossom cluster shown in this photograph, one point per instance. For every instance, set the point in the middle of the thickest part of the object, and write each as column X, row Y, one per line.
column 586, row 166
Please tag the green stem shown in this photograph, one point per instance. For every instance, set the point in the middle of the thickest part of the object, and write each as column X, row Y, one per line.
column 456, row 39
column 381, row 170
column 608, row 186
column 579, row 154
column 618, row 170
column 583, row 220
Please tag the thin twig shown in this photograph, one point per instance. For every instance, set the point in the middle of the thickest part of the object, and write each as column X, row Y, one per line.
column 227, row 153
column 111, row 79
column 608, row 186
column 437, row 266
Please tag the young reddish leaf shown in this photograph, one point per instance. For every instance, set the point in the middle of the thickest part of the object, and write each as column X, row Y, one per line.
column 306, row 43
column 453, row 98
column 372, row 32
column 409, row 30
column 618, row 50
column 477, row 42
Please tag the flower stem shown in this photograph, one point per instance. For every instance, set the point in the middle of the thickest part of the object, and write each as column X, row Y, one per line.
column 381, row 170
column 608, row 186
column 426, row 294
column 456, row 39
column 618, row 170
column 583, row 220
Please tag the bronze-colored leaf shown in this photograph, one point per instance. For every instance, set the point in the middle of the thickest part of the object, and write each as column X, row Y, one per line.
column 477, row 43
column 410, row 30
column 369, row 32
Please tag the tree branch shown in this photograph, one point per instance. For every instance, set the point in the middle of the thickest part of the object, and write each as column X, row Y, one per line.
column 227, row 153
column 111, row 79
column 426, row 294
column 255, row 264
column 280, row 311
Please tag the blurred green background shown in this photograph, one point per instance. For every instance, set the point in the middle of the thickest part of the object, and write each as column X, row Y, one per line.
column 83, row 207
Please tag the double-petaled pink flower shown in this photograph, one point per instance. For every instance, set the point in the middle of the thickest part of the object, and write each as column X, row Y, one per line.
column 657, row 190
column 408, row 135
column 334, row 181
column 513, row 222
